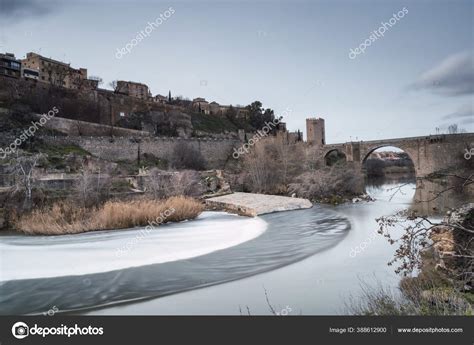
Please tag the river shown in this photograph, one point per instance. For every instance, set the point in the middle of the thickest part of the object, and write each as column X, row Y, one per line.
column 306, row 262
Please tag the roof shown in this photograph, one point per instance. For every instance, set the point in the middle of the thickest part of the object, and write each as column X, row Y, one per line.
column 48, row 59
column 131, row 82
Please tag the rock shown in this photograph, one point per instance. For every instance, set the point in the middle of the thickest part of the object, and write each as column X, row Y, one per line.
column 256, row 204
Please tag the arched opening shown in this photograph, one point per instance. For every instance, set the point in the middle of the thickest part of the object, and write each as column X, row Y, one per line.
column 333, row 157
column 389, row 172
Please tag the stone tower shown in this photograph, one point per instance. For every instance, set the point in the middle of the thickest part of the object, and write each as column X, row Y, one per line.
column 315, row 133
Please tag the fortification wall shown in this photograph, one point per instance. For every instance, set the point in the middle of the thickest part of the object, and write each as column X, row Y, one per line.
column 216, row 151
column 76, row 128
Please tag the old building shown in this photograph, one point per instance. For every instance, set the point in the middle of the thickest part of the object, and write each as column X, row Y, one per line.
column 215, row 108
column 241, row 112
column 10, row 66
column 133, row 89
column 58, row 73
column 160, row 99
column 201, row 105
column 30, row 73
column 315, row 132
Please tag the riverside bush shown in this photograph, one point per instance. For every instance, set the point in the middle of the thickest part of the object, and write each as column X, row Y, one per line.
column 66, row 218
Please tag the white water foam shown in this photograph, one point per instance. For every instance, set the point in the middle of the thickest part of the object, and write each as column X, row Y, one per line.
column 28, row 257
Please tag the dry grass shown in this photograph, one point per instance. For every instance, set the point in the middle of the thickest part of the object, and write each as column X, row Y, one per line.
column 66, row 218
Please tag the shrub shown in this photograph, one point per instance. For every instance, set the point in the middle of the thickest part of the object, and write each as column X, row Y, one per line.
column 271, row 164
column 67, row 218
column 163, row 184
column 415, row 297
column 329, row 183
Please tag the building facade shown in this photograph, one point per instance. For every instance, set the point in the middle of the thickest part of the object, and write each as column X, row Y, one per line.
column 201, row 105
column 133, row 89
column 10, row 66
column 30, row 73
column 160, row 99
column 58, row 73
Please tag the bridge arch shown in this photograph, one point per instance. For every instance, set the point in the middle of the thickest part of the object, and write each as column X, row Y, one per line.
column 365, row 153
column 334, row 155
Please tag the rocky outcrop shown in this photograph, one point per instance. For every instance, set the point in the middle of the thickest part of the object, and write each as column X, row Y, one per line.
column 250, row 204
column 453, row 244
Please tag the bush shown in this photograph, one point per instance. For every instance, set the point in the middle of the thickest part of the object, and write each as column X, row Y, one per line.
column 163, row 184
column 271, row 164
column 415, row 297
column 67, row 218
column 329, row 183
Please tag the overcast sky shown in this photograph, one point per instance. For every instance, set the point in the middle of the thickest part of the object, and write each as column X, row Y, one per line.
column 418, row 76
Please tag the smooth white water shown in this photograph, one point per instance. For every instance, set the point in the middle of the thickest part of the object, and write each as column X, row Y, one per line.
column 29, row 257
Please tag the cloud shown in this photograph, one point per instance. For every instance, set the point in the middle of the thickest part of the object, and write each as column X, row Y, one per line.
column 465, row 111
column 454, row 76
column 464, row 115
column 20, row 9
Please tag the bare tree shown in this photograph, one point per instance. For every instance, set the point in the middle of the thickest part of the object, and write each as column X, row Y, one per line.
column 90, row 187
column 452, row 237
column 98, row 79
column 113, row 84
column 163, row 184
column 453, row 129
column 23, row 169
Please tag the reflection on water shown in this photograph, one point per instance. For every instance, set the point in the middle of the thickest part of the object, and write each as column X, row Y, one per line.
column 430, row 198
column 393, row 189
column 436, row 198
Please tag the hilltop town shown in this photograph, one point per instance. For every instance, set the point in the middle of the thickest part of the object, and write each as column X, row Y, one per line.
column 38, row 83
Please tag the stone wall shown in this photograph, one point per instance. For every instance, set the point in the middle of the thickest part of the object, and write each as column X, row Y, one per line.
column 216, row 151
column 76, row 127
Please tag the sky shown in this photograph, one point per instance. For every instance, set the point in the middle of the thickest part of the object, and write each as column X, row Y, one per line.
column 416, row 79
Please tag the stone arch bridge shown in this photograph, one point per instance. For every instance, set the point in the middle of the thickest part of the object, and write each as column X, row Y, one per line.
column 429, row 153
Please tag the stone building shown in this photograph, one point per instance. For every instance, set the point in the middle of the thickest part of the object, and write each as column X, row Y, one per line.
column 133, row 89
column 58, row 73
column 201, row 105
column 315, row 132
column 160, row 99
column 215, row 108
column 241, row 112
column 10, row 66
